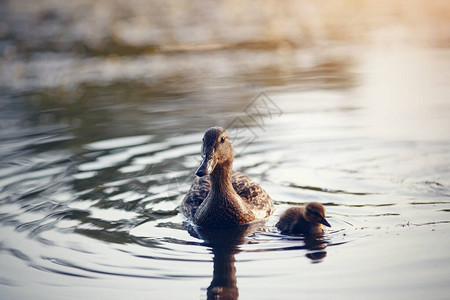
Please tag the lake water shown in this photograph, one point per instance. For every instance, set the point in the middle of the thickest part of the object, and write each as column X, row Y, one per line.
column 92, row 174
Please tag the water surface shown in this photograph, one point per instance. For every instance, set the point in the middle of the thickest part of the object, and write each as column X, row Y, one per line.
column 92, row 175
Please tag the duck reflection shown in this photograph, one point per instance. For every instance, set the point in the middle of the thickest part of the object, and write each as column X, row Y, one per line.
column 224, row 243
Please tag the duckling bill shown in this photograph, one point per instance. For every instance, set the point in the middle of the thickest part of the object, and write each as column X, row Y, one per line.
column 306, row 220
column 220, row 197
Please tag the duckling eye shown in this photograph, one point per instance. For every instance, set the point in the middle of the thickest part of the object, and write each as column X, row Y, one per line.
column 222, row 140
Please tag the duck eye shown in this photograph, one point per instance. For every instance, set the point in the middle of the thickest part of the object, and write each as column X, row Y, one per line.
column 222, row 139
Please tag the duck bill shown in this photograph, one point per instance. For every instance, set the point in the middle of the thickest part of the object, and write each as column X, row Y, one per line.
column 325, row 222
column 207, row 166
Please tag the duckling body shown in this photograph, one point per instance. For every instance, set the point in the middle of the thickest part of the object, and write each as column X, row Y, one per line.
column 220, row 197
column 306, row 220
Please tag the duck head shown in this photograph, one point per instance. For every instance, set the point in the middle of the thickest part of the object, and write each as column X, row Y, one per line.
column 216, row 151
column 315, row 213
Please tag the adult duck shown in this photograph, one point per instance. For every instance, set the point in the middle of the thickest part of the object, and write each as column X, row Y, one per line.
column 219, row 197
column 306, row 220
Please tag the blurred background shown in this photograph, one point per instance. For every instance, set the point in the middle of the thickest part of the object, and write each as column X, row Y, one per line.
column 49, row 44
column 103, row 105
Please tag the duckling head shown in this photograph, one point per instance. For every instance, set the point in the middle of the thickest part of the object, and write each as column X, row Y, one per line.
column 216, row 151
column 315, row 213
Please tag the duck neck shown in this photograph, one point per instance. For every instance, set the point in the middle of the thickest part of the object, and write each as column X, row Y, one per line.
column 224, row 195
column 223, row 207
column 221, row 184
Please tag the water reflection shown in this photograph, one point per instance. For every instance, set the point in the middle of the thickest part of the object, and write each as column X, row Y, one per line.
column 314, row 244
column 224, row 245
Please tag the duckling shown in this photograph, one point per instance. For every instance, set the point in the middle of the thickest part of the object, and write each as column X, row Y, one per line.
column 303, row 220
column 219, row 197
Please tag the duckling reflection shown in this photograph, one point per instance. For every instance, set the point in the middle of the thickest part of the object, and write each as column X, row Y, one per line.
column 224, row 244
column 316, row 246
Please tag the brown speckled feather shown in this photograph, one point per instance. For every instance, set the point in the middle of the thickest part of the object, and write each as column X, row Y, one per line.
column 257, row 199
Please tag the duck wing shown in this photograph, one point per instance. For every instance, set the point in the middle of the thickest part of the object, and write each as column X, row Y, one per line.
column 253, row 195
column 195, row 196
